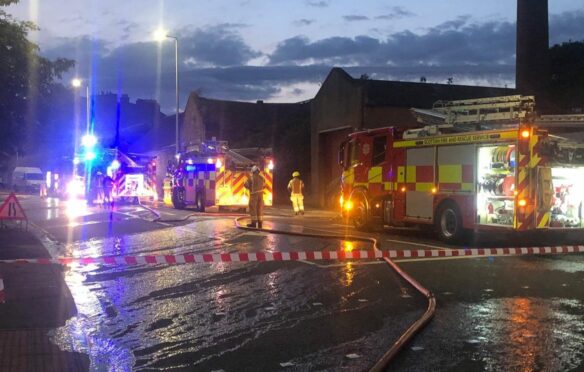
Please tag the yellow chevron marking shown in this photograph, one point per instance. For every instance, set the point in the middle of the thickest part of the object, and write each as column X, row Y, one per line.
column 374, row 175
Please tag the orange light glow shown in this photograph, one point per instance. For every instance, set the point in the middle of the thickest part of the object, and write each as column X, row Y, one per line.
column 525, row 133
column 522, row 203
column 348, row 246
column 434, row 190
column 403, row 189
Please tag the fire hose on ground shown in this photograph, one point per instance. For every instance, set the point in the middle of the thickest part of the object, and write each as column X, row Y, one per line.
column 404, row 339
column 417, row 326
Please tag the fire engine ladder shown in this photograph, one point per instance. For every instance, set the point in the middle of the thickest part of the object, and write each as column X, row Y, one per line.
column 472, row 114
column 564, row 121
column 567, row 146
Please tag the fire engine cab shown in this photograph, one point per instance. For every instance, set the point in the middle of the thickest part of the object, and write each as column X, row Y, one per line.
column 133, row 176
column 479, row 164
column 211, row 174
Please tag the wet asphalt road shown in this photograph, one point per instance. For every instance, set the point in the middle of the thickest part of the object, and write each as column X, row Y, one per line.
column 512, row 313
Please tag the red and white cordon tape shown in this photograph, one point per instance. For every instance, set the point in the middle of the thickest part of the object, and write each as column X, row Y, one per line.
column 299, row 256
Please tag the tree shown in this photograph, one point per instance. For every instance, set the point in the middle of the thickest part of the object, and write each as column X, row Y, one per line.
column 26, row 79
column 567, row 76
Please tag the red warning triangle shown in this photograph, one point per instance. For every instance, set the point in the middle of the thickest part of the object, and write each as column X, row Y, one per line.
column 11, row 209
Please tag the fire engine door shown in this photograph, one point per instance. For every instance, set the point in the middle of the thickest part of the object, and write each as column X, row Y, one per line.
column 364, row 155
column 419, row 179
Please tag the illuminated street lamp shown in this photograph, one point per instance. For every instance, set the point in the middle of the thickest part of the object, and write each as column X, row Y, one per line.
column 161, row 35
column 76, row 83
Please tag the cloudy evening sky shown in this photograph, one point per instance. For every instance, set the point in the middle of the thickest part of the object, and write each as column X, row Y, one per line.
column 280, row 50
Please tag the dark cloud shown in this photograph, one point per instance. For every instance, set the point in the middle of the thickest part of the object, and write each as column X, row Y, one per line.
column 227, row 26
column 218, row 46
column 212, row 59
column 454, row 42
column 567, row 26
column 334, row 50
column 396, row 12
column 304, row 22
column 318, row 3
column 353, row 18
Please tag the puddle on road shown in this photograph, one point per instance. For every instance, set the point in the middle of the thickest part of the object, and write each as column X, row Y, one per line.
column 503, row 334
column 161, row 316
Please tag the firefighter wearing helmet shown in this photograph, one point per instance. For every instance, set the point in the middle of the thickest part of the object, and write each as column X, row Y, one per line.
column 296, row 187
column 256, row 184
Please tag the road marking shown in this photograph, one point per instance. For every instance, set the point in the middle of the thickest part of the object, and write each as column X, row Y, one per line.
column 341, row 225
column 397, row 260
column 418, row 244
column 355, row 263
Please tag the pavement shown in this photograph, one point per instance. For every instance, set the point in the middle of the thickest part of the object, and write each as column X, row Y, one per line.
column 37, row 301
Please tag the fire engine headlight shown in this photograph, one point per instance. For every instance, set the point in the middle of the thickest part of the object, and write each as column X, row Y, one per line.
column 75, row 188
column 271, row 165
column 348, row 205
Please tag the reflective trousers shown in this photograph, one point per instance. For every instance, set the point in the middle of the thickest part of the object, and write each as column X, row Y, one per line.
column 297, row 202
column 256, row 206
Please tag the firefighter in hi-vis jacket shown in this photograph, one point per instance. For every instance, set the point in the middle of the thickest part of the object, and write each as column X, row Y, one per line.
column 296, row 186
column 256, row 184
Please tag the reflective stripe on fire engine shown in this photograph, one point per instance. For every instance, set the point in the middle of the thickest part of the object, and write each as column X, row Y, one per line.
column 374, row 175
column 458, row 139
column 542, row 216
column 348, row 176
column 455, row 177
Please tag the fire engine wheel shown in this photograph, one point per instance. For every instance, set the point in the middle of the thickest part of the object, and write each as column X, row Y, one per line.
column 449, row 223
column 178, row 198
column 360, row 215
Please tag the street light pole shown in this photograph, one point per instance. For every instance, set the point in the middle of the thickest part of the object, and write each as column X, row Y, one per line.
column 177, row 97
column 160, row 35
column 87, row 108
column 76, row 84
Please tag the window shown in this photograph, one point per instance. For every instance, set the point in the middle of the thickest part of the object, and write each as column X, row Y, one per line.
column 355, row 153
column 379, row 146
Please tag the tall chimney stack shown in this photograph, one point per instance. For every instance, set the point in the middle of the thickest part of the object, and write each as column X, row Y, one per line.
column 532, row 55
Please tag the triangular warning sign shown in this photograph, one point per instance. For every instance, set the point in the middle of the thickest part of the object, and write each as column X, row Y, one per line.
column 11, row 209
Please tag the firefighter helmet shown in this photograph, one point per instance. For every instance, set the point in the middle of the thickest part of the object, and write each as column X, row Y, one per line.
column 295, row 174
column 255, row 169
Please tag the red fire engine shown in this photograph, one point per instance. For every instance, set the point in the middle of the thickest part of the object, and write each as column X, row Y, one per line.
column 509, row 174
column 214, row 175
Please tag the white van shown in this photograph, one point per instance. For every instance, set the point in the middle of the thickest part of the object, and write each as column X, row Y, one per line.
column 27, row 179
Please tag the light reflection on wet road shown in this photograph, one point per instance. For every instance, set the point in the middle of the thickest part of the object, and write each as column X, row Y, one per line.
column 187, row 316
column 493, row 314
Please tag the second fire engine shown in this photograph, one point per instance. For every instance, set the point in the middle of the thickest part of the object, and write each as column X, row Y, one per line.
column 214, row 175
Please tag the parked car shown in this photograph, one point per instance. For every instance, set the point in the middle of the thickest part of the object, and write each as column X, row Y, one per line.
column 28, row 179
